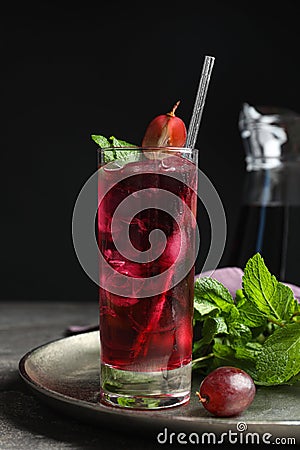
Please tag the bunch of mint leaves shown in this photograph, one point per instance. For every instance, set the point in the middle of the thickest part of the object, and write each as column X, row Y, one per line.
column 257, row 331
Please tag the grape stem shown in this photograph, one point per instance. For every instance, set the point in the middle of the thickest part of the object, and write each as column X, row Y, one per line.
column 202, row 399
column 172, row 113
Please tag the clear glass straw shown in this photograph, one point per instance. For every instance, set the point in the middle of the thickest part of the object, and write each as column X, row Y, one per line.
column 199, row 102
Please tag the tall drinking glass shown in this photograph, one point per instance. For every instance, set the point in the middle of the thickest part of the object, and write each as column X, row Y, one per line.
column 148, row 238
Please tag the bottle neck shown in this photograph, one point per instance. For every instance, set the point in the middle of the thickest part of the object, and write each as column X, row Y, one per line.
column 270, row 136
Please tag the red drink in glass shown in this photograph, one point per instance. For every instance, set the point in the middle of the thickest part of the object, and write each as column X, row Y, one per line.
column 146, row 340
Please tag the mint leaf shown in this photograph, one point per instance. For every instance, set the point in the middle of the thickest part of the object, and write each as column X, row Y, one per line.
column 250, row 314
column 203, row 307
column 239, row 334
column 213, row 291
column 273, row 299
column 112, row 141
column 287, row 305
column 249, row 352
column 279, row 359
column 101, row 141
column 242, row 357
column 212, row 326
column 224, row 353
column 294, row 380
column 123, row 154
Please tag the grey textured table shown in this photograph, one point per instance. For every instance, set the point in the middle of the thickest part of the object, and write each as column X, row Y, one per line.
column 25, row 421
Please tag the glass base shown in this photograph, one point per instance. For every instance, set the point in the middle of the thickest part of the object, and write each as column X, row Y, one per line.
column 145, row 390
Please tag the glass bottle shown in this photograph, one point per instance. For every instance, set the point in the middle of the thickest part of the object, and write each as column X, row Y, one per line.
column 269, row 221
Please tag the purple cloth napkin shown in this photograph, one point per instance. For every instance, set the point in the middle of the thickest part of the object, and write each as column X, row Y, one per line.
column 231, row 277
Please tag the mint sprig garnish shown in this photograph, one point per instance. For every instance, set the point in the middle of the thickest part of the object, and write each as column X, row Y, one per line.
column 258, row 330
column 112, row 143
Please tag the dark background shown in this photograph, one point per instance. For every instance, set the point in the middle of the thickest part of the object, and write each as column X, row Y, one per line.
column 69, row 70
